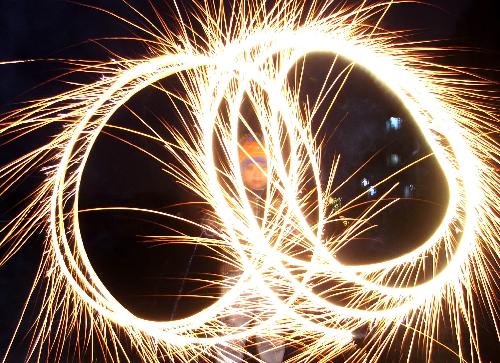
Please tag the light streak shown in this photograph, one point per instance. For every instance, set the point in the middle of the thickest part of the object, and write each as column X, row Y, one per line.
column 252, row 55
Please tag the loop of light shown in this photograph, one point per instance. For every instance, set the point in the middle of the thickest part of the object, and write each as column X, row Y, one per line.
column 268, row 288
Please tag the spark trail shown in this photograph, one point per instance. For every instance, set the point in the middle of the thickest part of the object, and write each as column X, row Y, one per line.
column 249, row 51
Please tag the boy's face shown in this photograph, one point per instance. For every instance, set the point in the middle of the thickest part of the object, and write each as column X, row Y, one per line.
column 254, row 176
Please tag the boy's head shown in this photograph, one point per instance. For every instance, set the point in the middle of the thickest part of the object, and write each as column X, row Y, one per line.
column 253, row 163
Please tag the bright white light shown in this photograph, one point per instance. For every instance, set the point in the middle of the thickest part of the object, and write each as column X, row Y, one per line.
column 394, row 123
column 277, row 288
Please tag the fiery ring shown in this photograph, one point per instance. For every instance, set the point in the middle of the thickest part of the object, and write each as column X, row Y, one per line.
column 383, row 293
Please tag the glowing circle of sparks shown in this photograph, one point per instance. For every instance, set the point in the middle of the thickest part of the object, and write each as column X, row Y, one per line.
column 282, row 302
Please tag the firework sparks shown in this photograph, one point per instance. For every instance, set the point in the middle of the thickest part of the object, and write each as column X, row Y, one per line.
column 250, row 53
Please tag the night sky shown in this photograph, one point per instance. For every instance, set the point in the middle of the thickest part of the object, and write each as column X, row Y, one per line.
column 144, row 275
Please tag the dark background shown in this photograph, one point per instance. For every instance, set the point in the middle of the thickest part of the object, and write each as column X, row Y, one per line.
column 145, row 275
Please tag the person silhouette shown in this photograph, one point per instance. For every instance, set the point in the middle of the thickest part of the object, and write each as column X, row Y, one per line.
column 253, row 166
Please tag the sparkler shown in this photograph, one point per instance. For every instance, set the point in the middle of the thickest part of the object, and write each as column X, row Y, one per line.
column 250, row 51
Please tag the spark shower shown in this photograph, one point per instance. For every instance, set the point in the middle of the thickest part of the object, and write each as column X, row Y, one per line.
column 248, row 50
